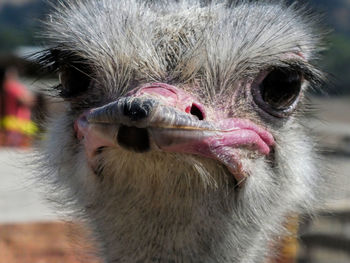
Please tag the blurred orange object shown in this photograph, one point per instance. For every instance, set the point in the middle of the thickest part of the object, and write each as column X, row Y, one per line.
column 287, row 246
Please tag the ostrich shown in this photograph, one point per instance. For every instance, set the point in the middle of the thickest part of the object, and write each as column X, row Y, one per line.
column 181, row 138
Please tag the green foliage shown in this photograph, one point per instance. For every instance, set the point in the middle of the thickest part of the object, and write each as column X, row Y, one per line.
column 19, row 24
column 337, row 62
column 11, row 38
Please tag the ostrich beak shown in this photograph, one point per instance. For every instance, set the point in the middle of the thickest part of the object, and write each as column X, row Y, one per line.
column 144, row 121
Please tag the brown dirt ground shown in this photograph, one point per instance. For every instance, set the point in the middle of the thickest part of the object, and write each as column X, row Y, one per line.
column 45, row 243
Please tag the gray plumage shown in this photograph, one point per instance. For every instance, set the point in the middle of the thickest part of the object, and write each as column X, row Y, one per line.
column 171, row 207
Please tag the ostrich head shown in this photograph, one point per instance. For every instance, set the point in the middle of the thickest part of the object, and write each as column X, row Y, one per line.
column 181, row 138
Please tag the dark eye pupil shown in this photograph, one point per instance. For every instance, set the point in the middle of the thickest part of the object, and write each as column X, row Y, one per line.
column 281, row 88
column 75, row 79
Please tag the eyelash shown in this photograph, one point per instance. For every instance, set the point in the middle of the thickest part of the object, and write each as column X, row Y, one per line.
column 309, row 72
column 74, row 72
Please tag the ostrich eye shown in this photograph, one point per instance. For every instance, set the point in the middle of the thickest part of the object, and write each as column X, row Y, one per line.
column 279, row 92
column 75, row 79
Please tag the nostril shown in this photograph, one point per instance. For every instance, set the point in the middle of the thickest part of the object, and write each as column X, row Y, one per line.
column 196, row 111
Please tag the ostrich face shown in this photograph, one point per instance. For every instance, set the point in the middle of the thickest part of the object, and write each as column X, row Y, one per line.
column 178, row 112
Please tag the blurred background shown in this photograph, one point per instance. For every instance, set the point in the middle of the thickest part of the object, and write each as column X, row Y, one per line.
column 30, row 231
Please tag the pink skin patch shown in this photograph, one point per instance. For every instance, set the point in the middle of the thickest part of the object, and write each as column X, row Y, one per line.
column 220, row 143
column 171, row 95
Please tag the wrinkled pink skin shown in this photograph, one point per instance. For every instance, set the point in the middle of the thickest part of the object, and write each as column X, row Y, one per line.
column 233, row 133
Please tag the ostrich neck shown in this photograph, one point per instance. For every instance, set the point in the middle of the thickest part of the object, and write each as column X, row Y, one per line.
column 142, row 228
